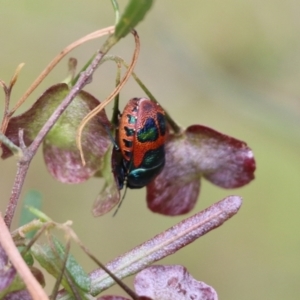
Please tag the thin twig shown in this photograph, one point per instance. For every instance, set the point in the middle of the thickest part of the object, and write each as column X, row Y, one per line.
column 167, row 242
column 34, row 288
column 10, row 145
column 22, row 168
column 7, row 92
column 163, row 244
column 63, row 268
column 37, row 236
column 63, row 273
column 130, row 292
column 176, row 127
column 24, row 162
column 57, row 59
column 8, row 114
column 117, row 89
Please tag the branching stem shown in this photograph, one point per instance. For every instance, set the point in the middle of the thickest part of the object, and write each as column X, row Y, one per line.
column 24, row 162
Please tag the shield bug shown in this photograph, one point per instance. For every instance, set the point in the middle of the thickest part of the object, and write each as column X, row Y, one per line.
column 141, row 138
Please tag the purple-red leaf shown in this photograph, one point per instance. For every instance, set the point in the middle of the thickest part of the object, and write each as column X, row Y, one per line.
column 171, row 283
column 60, row 152
column 223, row 160
column 109, row 195
column 198, row 151
column 7, row 271
column 6, row 277
column 106, row 200
column 173, row 200
column 19, row 295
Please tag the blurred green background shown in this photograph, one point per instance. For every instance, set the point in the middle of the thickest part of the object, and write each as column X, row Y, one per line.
column 231, row 65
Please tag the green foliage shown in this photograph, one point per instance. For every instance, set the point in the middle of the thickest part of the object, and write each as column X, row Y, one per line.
column 52, row 257
column 133, row 14
column 34, row 199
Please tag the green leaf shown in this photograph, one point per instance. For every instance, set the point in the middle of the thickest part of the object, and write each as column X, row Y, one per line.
column 39, row 214
column 34, row 199
column 116, row 9
column 27, row 257
column 133, row 14
column 52, row 262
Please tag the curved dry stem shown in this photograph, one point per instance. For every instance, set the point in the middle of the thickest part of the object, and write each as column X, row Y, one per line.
column 94, row 112
column 57, row 59
column 23, row 164
column 176, row 127
column 33, row 287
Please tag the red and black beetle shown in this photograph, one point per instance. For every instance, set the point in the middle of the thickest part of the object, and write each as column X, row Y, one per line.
column 141, row 138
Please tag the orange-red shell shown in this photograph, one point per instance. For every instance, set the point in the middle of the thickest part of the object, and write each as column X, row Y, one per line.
column 136, row 117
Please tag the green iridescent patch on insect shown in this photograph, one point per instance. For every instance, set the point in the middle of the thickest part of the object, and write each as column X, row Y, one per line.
column 149, row 133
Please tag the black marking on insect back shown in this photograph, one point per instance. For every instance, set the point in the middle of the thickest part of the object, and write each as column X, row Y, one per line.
column 127, row 144
column 161, row 123
column 128, row 154
column 153, row 163
column 129, row 131
column 149, row 133
column 131, row 119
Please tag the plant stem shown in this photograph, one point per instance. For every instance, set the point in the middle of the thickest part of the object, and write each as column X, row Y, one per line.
column 34, row 288
column 55, row 61
column 175, row 127
column 22, row 168
column 9, row 144
column 29, row 152
column 162, row 245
